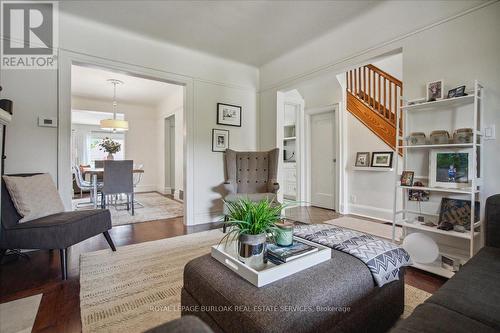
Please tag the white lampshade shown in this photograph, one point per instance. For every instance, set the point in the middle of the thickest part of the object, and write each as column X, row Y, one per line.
column 114, row 125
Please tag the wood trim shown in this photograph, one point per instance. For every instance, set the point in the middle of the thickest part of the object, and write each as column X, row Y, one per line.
column 373, row 120
column 384, row 74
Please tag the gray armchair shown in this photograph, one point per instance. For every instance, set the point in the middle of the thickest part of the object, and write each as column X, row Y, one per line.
column 57, row 231
column 251, row 175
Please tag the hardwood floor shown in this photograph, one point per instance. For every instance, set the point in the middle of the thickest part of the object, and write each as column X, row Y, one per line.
column 59, row 309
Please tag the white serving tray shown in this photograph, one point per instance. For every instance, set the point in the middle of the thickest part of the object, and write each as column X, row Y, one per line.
column 227, row 255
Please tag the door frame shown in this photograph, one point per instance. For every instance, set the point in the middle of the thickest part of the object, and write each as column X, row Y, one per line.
column 301, row 195
column 66, row 60
column 170, row 119
column 335, row 109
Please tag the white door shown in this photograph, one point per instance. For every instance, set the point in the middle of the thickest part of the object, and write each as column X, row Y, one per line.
column 323, row 160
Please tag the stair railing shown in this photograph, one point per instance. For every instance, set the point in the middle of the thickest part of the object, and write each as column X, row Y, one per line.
column 379, row 90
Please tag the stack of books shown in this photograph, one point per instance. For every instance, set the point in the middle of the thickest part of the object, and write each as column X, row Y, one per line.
column 282, row 254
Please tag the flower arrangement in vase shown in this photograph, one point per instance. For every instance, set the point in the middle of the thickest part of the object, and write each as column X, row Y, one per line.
column 109, row 146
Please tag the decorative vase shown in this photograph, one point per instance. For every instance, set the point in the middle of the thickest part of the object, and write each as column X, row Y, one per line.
column 110, row 157
column 251, row 249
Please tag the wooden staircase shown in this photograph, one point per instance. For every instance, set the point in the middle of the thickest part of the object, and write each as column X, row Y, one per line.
column 372, row 97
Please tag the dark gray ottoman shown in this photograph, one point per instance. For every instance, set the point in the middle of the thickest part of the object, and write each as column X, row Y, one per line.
column 336, row 296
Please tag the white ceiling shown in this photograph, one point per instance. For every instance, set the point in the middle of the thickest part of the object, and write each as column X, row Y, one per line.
column 90, row 82
column 252, row 32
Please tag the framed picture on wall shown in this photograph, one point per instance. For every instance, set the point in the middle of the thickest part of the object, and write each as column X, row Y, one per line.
column 450, row 168
column 220, row 140
column 229, row 115
column 382, row 159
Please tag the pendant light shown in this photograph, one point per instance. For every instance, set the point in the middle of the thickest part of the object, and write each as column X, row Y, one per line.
column 114, row 124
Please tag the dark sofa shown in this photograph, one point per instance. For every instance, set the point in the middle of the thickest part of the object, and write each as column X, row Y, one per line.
column 470, row 301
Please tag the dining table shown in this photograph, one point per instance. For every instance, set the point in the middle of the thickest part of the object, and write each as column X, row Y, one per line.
column 94, row 173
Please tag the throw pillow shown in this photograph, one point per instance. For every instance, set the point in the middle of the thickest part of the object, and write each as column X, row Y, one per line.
column 34, row 196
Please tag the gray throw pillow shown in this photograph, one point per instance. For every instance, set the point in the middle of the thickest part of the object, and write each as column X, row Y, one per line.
column 34, row 196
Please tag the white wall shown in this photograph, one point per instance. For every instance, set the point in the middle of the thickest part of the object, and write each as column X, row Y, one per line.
column 172, row 105
column 210, row 166
column 35, row 92
column 141, row 140
column 458, row 50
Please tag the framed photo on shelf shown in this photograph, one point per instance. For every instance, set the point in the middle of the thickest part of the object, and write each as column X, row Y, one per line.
column 407, row 178
column 450, row 168
column 229, row 115
column 434, row 90
column 362, row 159
column 454, row 212
column 382, row 159
column 456, row 92
column 220, row 140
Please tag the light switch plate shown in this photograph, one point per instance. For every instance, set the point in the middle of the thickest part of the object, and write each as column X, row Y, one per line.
column 47, row 121
column 489, row 132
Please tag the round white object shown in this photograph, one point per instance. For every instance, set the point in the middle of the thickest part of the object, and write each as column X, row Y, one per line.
column 421, row 248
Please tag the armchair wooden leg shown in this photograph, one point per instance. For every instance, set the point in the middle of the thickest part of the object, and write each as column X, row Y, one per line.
column 109, row 240
column 64, row 263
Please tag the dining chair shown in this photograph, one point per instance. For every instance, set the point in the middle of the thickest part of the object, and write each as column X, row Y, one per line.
column 84, row 185
column 137, row 179
column 118, row 179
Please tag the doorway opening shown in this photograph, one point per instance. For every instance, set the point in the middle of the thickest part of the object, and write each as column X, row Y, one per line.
column 145, row 105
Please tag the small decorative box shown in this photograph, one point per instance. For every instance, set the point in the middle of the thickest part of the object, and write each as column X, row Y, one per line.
column 440, row 137
column 416, row 139
column 463, row 135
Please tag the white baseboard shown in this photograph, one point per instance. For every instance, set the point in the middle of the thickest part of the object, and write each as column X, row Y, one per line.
column 203, row 218
column 145, row 188
column 371, row 212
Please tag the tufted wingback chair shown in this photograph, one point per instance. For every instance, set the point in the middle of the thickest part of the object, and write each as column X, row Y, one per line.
column 251, row 172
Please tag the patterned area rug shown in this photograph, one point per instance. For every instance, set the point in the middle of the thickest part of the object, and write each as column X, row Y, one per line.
column 138, row 286
column 156, row 207
column 19, row 316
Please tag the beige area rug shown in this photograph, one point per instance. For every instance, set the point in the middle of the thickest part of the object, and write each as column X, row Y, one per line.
column 413, row 297
column 156, row 207
column 378, row 229
column 138, row 286
column 119, row 291
column 19, row 316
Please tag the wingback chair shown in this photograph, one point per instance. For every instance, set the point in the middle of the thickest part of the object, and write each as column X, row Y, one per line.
column 251, row 174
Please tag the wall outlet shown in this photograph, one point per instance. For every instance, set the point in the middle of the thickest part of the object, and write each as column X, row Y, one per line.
column 353, row 198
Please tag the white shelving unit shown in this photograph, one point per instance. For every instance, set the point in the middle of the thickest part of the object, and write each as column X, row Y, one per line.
column 402, row 217
column 376, row 169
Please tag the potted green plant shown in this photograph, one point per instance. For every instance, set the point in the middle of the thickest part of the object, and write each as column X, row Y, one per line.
column 250, row 224
column 110, row 146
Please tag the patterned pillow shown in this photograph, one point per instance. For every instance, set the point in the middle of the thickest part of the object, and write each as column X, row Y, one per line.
column 34, row 196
